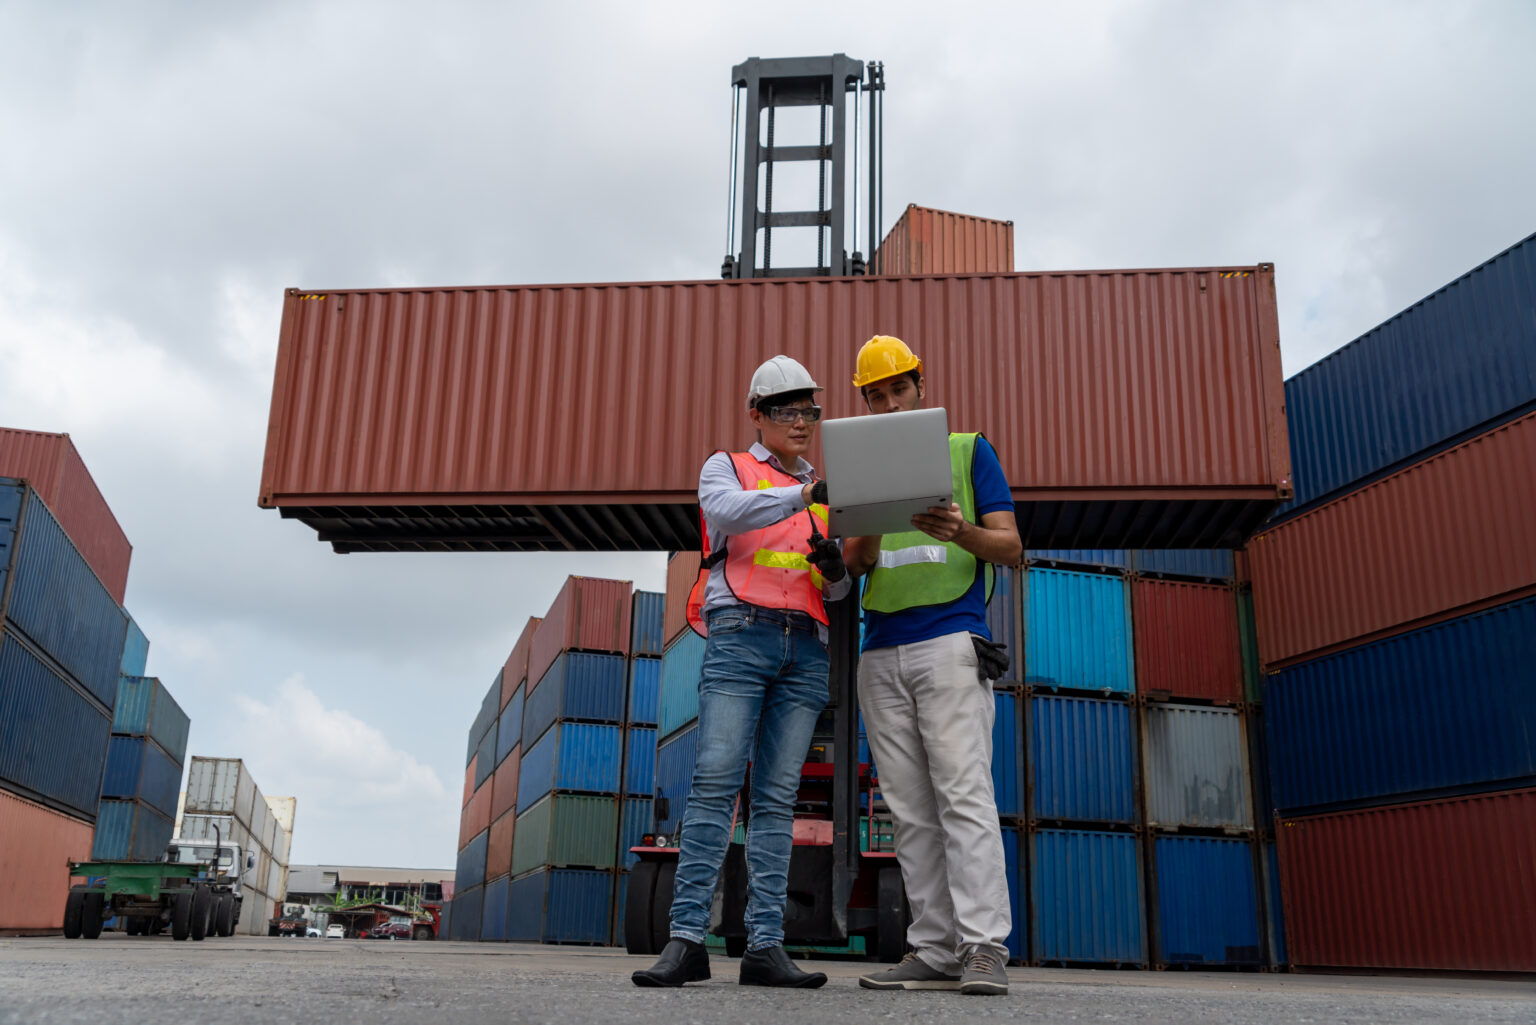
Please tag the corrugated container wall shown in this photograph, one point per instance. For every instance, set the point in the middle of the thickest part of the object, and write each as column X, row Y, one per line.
column 138, row 770
column 1438, row 885
column 498, row 849
column 36, row 845
column 646, row 623
column 1087, row 897
column 476, row 816
column 53, row 466
column 509, row 728
column 135, row 651
column 681, row 668
column 566, row 830
column 682, row 571
column 1453, row 363
column 130, row 831
column 1097, row 388
column 578, row 685
column 1442, row 535
column 644, row 706
column 928, row 241
column 589, row 614
column 1093, row 558
column 493, row 916
column 1193, row 564
column 563, row 905
column 1083, row 767
column 639, row 761
column 470, row 870
column 1207, row 901
column 515, row 672
column 504, row 784
column 1003, row 618
column 53, row 739
column 675, row 759
column 571, row 756
column 1078, row 632
column 1195, row 768
column 1186, row 640
column 1008, row 754
column 146, row 709
column 468, row 905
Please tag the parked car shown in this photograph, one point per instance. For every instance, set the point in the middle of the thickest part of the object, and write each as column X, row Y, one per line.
column 397, row 928
column 335, row 932
column 311, row 933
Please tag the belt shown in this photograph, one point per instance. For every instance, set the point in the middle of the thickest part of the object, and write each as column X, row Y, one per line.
column 787, row 618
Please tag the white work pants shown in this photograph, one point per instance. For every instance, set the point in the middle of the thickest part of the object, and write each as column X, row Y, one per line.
column 929, row 717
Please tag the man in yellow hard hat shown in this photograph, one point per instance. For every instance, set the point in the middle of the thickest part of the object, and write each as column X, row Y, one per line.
column 926, row 694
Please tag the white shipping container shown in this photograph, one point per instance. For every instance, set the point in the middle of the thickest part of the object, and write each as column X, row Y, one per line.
column 275, row 887
column 255, row 913
column 220, row 786
column 283, row 847
column 201, row 827
column 269, row 836
column 282, row 885
column 260, row 816
column 284, row 808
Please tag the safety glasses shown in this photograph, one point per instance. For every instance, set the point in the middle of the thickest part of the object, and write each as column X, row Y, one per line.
column 789, row 414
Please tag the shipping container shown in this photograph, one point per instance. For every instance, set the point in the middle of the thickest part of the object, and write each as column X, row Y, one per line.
column 223, row 827
column 1207, row 902
column 50, row 463
column 583, row 757
column 1274, row 920
column 1195, row 768
column 130, row 831
column 675, row 758
column 568, row 830
column 468, row 906
column 485, row 758
column 145, row 708
column 51, row 595
column 509, row 726
column 1018, row 932
column 476, row 816
column 1078, row 632
column 1083, row 760
column 470, row 870
column 1008, row 754
column 498, row 850
column 1186, row 641
column 578, row 685
column 283, row 809
column 1112, row 559
column 261, row 817
column 589, row 614
column 514, row 673
column 469, row 781
column 1446, row 707
column 1003, row 618
column 635, row 820
column 682, row 666
column 1451, row 365
column 137, row 769
column 1430, row 885
column 53, row 738
column 135, row 650
column 493, row 915
column 928, row 241
column 682, row 572
column 444, row 919
column 1360, row 567
column 220, row 786
column 644, row 692
column 646, row 623
column 1087, row 898
column 485, row 719
column 1098, row 389
column 562, row 905
column 504, row 784
column 1210, row 564
column 640, row 761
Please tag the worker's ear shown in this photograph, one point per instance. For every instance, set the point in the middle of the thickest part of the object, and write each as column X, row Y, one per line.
column 757, row 421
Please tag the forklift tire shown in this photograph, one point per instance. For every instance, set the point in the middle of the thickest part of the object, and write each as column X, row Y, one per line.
column 74, row 904
column 92, row 914
column 224, row 915
column 181, row 915
column 637, row 908
column 202, row 911
column 891, row 916
column 421, row 932
column 661, row 905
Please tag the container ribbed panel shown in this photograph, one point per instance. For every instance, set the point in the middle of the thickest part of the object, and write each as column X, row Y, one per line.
column 1078, row 632
column 1087, row 897
column 566, row 830
column 1207, row 902
column 681, row 668
column 1195, row 768
column 1083, row 751
column 53, row 739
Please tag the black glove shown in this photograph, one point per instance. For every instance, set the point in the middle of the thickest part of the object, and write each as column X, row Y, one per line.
column 991, row 657
column 826, row 557
column 819, row 493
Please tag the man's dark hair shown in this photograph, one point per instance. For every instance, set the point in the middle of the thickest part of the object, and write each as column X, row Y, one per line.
column 917, row 379
column 767, row 402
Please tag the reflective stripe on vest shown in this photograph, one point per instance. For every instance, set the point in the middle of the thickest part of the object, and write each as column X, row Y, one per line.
column 916, row 570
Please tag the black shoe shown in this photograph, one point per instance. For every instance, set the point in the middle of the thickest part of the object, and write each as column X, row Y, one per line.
column 681, row 961
column 772, row 967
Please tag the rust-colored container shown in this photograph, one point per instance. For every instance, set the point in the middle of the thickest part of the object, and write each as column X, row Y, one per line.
column 589, row 614
column 469, row 782
column 504, row 782
column 682, row 572
column 55, row 469
column 1129, row 408
column 1187, row 643
column 1442, row 538
column 1433, row 885
column 477, row 813
column 36, row 846
column 516, row 669
column 928, row 241
column 498, row 856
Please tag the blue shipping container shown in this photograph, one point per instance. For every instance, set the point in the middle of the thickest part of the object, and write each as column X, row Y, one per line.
column 509, row 727
column 1017, row 951
column 634, row 823
column 1078, row 632
column 56, row 599
column 572, row 756
column 1083, row 759
column 146, row 709
column 467, row 908
column 493, row 913
column 640, row 761
column 675, row 759
column 1007, row 754
column 138, row 770
column 1450, row 366
column 1003, row 616
column 1187, row 563
column 486, row 760
column 1087, row 894
column 485, row 719
column 578, row 685
column 646, row 623
column 470, row 870
column 561, row 905
column 1274, row 909
column 135, row 651
column 1207, row 903
column 681, row 668
column 1448, row 706
column 644, row 691
column 130, row 831
column 53, row 739
column 1098, row 558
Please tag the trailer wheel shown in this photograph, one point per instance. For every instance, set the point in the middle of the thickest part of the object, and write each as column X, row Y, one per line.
column 421, row 932
column 181, row 915
column 74, row 904
column 891, row 916
column 202, row 911
column 637, row 908
column 224, row 915
column 91, row 914
column 661, row 905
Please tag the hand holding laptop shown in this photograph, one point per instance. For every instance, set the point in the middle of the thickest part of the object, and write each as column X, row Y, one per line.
column 884, row 471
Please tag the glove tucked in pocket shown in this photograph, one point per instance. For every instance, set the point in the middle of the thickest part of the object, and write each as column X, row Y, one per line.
column 992, row 658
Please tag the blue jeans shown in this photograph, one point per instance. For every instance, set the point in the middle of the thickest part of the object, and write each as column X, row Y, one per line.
column 762, row 689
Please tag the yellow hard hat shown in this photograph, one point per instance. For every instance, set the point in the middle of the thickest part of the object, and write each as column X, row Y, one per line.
column 884, row 356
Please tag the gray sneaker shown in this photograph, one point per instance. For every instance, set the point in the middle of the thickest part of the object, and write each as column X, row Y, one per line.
column 912, row 973
column 984, row 975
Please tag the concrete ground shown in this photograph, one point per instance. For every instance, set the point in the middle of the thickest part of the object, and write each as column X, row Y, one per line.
column 155, row 981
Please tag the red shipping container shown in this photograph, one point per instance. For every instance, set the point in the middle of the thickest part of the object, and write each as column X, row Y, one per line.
column 682, row 572
column 928, row 241
column 1441, row 538
column 1128, row 408
column 1432, row 885
column 477, row 814
column 469, row 781
column 589, row 614
column 498, row 855
column 516, row 669
column 55, row 469
column 36, row 846
column 504, row 782
column 1187, row 644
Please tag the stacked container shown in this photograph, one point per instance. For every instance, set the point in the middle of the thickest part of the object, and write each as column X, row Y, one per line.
column 142, row 779
column 222, row 799
column 682, row 664
column 641, row 718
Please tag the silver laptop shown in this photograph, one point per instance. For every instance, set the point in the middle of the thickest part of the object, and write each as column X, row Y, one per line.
column 883, row 469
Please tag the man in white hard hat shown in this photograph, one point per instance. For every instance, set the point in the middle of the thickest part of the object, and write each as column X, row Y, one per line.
column 760, row 601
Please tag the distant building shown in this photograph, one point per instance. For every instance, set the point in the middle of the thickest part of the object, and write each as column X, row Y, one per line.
column 326, row 884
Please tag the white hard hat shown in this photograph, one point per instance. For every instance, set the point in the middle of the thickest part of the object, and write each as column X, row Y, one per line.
column 779, row 375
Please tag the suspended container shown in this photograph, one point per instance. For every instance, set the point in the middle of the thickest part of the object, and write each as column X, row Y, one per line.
column 145, row 708
column 1187, row 644
column 561, row 905
column 1078, row 632
column 1083, row 760
column 566, row 830
column 579, row 685
column 1207, row 902
column 1087, row 902
column 1195, row 768
column 581, row 757
column 681, row 669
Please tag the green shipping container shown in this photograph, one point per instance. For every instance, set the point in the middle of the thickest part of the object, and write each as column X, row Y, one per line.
column 566, row 830
column 1253, row 680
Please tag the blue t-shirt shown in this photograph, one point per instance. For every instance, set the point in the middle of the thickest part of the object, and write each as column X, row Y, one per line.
column 968, row 612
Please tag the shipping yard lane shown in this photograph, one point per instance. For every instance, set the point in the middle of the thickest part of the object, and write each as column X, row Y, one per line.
column 243, row 979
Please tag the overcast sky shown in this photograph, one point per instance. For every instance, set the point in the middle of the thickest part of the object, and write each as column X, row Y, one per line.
column 166, row 170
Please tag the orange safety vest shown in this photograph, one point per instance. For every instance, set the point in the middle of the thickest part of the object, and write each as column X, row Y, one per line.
column 768, row 567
